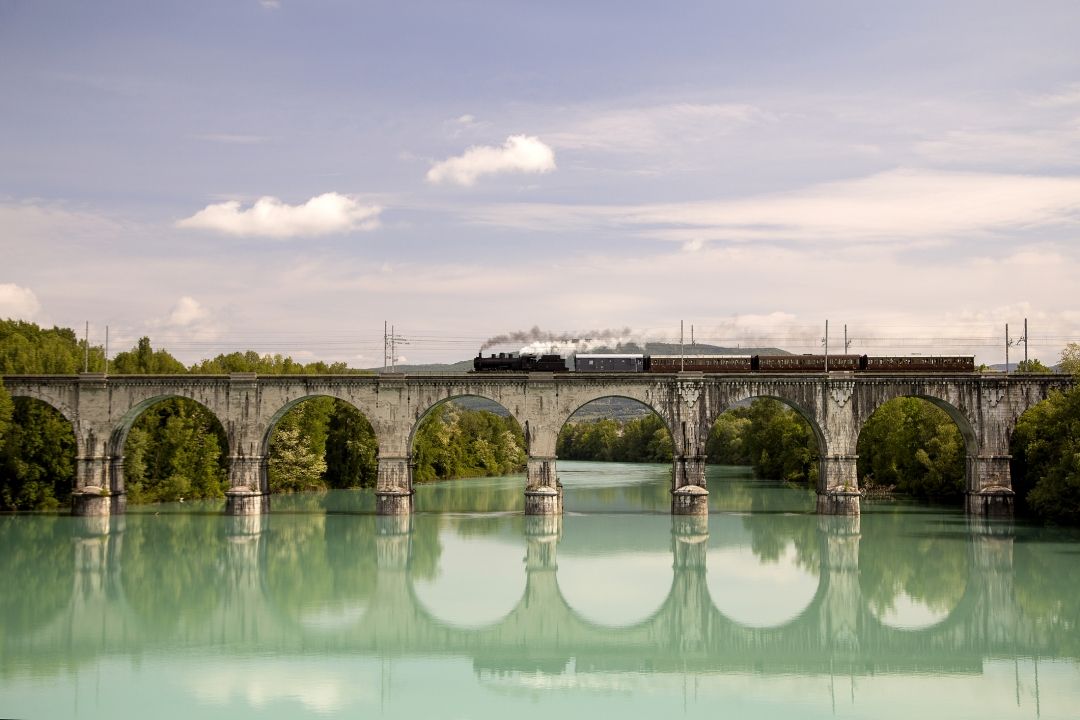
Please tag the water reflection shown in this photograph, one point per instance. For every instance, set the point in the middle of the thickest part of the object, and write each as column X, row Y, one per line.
column 586, row 602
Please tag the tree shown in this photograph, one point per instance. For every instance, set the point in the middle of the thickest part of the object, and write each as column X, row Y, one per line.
column 6, row 410
column 351, row 449
column 174, row 451
column 37, row 459
column 1046, row 457
column 144, row 360
column 1032, row 366
column 913, row 446
column 1070, row 359
column 293, row 467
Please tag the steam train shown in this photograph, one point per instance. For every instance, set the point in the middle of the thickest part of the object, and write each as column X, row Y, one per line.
column 624, row 363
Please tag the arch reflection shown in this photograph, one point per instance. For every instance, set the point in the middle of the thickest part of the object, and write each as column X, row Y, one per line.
column 357, row 584
column 481, row 574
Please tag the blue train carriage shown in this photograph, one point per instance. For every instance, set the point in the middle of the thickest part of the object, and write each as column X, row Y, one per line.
column 613, row 363
column 807, row 363
column 921, row 364
column 699, row 363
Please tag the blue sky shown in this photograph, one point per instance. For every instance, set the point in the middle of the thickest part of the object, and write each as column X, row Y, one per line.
column 286, row 175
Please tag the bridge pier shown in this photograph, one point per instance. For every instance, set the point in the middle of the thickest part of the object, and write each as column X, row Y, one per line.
column 838, row 485
column 394, row 487
column 989, row 482
column 840, row 572
column 689, row 628
column 93, row 496
column 248, row 492
column 689, row 495
column 543, row 491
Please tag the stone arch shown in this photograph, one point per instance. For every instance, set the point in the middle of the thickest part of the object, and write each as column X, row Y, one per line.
column 964, row 422
column 56, row 403
column 424, row 411
column 267, row 428
column 636, row 393
column 565, row 417
column 501, row 456
column 127, row 420
column 122, row 429
column 71, row 445
column 795, row 398
column 970, row 449
column 810, row 417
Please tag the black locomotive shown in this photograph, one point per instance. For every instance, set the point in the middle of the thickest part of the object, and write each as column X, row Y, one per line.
column 620, row 363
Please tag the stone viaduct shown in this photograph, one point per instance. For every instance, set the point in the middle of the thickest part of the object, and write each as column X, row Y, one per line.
column 103, row 408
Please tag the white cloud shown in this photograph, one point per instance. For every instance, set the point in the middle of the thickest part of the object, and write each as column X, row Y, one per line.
column 899, row 206
column 324, row 214
column 520, row 153
column 1064, row 97
column 186, row 311
column 18, row 302
column 654, row 127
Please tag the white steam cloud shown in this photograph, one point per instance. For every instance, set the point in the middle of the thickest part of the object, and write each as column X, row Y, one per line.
column 324, row 214
column 520, row 153
column 542, row 341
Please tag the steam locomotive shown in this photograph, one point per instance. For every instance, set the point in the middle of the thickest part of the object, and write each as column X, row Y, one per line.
column 625, row 363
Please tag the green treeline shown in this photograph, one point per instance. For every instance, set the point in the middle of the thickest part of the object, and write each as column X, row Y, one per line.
column 644, row 439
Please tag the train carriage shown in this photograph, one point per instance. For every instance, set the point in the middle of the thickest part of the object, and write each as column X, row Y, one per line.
column 699, row 363
column 610, row 363
column 807, row 363
column 920, row 364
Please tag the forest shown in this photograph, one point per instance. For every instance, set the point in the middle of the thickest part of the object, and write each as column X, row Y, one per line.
column 177, row 449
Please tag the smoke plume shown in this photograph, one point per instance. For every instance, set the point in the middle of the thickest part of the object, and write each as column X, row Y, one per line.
column 542, row 341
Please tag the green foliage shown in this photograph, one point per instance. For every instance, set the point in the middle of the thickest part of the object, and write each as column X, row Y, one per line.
column 1070, row 359
column 174, row 451
column 252, row 361
column 28, row 349
column 455, row 443
column 1032, row 366
column 322, row 443
column 1046, row 457
column 144, row 360
column 913, row 446
column 769, row 436
column 930, row 567
column 643, row 439
column 351, row 449
column 727, row 443
column 7, row 408
column 37, row 458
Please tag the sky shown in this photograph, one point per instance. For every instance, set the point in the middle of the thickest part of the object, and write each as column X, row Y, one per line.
column 287, row 175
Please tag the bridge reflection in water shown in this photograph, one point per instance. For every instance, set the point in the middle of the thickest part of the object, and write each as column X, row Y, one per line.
column 830, row 591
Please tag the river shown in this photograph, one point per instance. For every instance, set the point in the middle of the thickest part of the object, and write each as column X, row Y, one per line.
column 468, row 609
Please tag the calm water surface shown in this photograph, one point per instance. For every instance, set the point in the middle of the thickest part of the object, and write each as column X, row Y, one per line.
column 471, row 610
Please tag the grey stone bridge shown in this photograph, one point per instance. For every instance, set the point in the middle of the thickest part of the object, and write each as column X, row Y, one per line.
column 107, row 615
column 103, row 408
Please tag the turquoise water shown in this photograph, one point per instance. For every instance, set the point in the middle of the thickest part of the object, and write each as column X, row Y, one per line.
column 471, row 610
